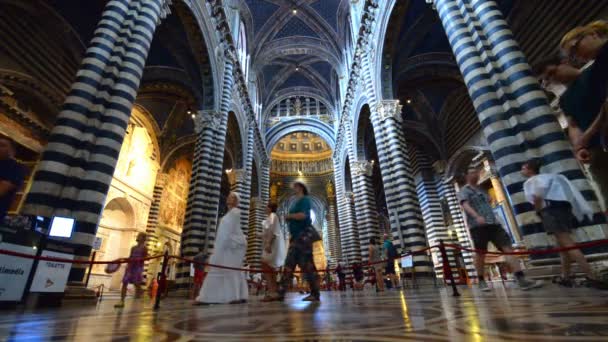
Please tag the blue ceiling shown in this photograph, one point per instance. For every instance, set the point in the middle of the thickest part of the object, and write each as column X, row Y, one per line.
column 296, row 27
column 328, row 9
column 270, row 16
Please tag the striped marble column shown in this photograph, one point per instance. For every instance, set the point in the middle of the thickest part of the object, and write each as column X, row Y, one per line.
column 333, row 233
column 152, row 226
column 516, row 118
column 349, row 239
column 430, row 205
column 399, row 186
column 77, row 166
column 365, row 205
column 204, row 196
column 447, row 191
column 254, row 236
column 243, row 182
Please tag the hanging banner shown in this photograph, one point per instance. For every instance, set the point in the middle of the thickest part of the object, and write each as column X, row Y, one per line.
column 14, row 272
column 52, row 276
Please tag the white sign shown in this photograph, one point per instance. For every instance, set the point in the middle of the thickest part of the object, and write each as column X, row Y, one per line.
column 407, row 261
column 14, row 272
column 52, row 276
column 97, row 243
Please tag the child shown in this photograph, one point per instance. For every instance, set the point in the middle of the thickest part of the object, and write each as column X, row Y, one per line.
column 135, row 270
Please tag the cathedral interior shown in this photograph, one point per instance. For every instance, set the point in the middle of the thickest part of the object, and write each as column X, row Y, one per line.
column 141, row 116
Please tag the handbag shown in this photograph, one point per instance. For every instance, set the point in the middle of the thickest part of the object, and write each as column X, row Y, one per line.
column 311, row 234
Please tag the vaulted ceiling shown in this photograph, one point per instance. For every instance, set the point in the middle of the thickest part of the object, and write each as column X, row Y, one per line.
column 297, row 47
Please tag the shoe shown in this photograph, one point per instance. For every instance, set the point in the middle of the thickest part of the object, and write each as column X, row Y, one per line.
column 596, row 284
column 311, row 298
column 565, row 282
column 120, row 305
column 526, row 285
column 483, row 286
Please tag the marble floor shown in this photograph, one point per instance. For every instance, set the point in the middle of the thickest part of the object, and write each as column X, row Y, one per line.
column 549, row 314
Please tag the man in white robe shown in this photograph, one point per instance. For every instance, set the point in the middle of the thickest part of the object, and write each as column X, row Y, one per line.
column 224, row 285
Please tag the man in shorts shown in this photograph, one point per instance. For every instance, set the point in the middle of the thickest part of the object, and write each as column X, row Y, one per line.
column 560, row 204
column 485, row 228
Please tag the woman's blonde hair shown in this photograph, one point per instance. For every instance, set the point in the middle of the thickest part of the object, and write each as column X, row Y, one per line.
column 599, row 27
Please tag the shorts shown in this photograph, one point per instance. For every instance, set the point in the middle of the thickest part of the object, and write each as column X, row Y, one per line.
column 199, row 276
column 494, row 233
column 558, row 218
column 390, row 267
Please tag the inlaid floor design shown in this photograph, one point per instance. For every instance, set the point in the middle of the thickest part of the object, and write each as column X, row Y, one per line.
column 549, row 314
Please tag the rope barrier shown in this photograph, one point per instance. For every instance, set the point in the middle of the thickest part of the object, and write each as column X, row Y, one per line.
column 533, row 252
column 369, row 264
column 71, row 261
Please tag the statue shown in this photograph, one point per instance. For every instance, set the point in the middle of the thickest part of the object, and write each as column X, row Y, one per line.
column 297, row 107
column 273, row 192
column 330, row 189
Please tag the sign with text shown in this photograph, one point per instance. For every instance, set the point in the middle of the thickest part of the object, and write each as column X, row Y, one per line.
column 407, row 261
column 14, row 272
column 97, row 243
column 52, row 276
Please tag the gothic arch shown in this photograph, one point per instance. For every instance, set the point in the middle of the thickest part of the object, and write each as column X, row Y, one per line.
column 305, row 124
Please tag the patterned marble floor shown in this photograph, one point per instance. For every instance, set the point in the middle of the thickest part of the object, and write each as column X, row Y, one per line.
column 550, row 314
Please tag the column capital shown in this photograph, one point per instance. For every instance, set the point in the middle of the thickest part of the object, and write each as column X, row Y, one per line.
column 165, row 9
column 389, row 109
column 207, row 119
column 239, row 175
column 362, row 168
column 349, row 196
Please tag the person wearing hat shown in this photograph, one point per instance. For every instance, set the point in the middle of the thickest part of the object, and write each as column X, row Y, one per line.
column 300, row 252
column 485, row 228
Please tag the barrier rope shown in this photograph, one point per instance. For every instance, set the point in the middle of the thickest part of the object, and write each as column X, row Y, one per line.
column 411, row 253
column 71, row 261
column 533, row 252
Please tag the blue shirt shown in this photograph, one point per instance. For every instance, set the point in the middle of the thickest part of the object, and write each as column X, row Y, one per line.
column 296, row 227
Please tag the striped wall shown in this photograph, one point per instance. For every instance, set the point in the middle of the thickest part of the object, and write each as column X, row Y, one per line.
column 429, row 197
column 203, row 198
column 77, row 166
column 349, row 239
column 152, row 226
column 514, row 114
column 365, row 206
column 447, row 190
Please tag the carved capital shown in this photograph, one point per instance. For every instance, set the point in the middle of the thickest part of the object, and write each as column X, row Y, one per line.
column 239, row 175
column 165, row 10
column 207, row 120
column 349, row 196
column 389, row 109
column 362, row 168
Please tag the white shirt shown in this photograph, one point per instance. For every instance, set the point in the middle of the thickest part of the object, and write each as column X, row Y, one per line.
column 556, row 187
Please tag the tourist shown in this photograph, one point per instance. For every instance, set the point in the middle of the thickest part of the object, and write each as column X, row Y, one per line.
column 585, row 99
column 375, row 259
column 224, row 285
column 199, row 272
column 559, row 203
column 300, row 251
column 273, row 253
column 390, row 254
column 11, row 175
column 341, row 277
column 484, row 228
column 357, row 276
column 134, row 273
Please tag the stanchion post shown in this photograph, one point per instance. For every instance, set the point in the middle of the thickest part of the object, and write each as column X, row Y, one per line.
column 86, row 283
column 159, row 277
column 447, row 269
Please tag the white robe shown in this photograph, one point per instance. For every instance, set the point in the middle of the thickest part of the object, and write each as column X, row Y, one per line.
column 221, row 285
column 272, row 229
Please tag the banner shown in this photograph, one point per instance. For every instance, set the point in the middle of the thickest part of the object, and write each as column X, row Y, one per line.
column 14, row 272
column 52, row 276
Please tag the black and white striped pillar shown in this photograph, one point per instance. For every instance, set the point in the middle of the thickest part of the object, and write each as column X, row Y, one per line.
column 399, row 187
column 516, row 118
column 365, row 205
column 77, row 166
column 204, row 195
